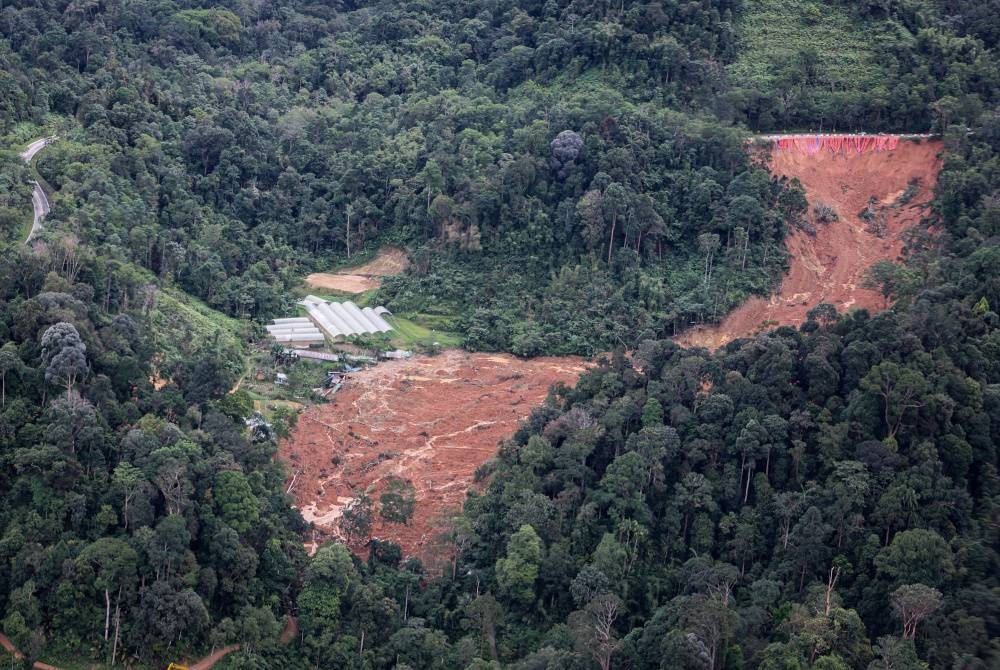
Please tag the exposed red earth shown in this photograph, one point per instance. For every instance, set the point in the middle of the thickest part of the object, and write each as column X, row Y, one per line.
column 388, row 262
column 435, row 420
column 430, row 419
column 16, row 653
column 288, row 633
column 829, row 266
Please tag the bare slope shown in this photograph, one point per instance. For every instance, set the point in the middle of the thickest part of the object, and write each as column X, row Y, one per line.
column 829, row 266
column 389, row 262
column 433, row 420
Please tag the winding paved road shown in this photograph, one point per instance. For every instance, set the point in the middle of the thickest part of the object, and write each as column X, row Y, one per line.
column 39, row 200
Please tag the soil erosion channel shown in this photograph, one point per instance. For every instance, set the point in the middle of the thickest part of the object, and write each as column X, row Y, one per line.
column 431, row 419
column 828, row 267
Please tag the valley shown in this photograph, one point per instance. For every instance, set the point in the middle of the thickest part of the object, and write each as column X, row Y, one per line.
column 493, row 335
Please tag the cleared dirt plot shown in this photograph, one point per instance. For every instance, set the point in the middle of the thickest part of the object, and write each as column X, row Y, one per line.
column 892, row 187
column 432, row 420
column 388, row 262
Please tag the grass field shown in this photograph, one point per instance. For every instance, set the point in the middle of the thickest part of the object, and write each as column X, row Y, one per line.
column 418, row 332
column 421, row 330
column 181, row 323
column 411, row 331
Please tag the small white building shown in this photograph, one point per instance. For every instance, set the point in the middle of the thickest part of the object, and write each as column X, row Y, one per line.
column 298, row 332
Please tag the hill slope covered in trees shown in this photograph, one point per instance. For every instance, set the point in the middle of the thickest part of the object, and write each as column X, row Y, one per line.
column 231, row 149
column 560, row 171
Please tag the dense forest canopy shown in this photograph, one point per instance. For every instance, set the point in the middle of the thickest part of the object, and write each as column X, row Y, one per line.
column 227, row 148
column 568, row 177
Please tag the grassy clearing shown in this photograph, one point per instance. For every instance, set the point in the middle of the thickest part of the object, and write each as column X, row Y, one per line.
column 774, row 32
column 593, row 88
column 303, row 376
column 421, row 331
column 182, row 324
column 411, row 330
column 415, row 332
column 341, row 262
column 22, row 133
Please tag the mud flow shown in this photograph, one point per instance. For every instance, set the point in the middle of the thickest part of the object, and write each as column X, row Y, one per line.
column 893, row 188
column 430, row 419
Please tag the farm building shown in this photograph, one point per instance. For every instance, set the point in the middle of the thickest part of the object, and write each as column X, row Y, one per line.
column 328, row 320
column 295, row 332
column 342, row 319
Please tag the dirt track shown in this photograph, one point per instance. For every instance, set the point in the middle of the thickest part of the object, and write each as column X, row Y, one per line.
column 829, row 266
column 433, row 420
column 388, row 262
column 16, row 653
column 288, row 633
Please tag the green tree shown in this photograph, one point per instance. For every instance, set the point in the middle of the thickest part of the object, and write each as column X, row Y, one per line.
column 913, row 603
column 708, row 244
column 652, row 413
column 168, row 613
column 886, row 277
column 9, row 360
column 114, row 564
column 64, row 353
column 807, row 543
column 892, row 653
column 916, row 555
column 615, row 201
column 398, row 502
column 899, row 389
column 328, row 578
column 594, row 629
column 484, row 614
column 849, row 485
column 358, row 517
column 517, row 571
column 129, row 480
column 234, row 499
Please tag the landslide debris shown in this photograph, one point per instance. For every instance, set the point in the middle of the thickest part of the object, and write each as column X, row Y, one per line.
column 431, row 419
column 861, row 204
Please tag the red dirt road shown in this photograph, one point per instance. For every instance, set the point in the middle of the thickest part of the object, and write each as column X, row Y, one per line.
column 829, row 266
column 16, row 653
column 432, row 420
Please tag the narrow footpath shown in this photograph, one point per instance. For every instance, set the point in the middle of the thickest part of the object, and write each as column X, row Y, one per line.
column 288, row 633
column 16, row 653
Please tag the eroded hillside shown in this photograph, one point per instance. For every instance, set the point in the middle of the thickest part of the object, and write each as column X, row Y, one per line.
column 431, row 420
column 893, row 189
